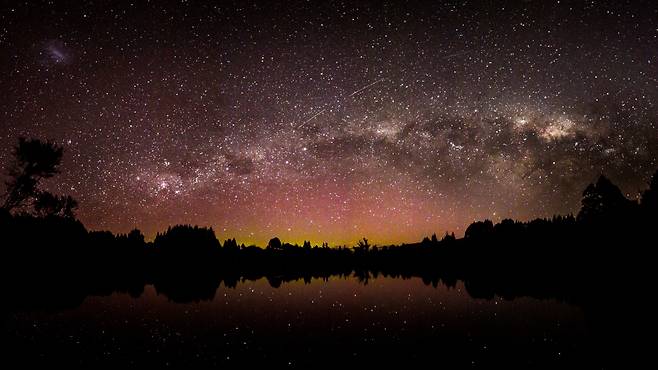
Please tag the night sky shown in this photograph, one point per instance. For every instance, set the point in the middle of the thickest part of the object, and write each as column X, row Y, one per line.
column 330, row 120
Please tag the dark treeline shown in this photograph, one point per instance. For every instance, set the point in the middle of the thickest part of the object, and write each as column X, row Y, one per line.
column 51, row 261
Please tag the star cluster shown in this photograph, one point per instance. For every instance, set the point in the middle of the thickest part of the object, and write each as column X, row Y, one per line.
column 333, row 120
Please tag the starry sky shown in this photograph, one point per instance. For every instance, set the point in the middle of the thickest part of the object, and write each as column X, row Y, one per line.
column 331, row 120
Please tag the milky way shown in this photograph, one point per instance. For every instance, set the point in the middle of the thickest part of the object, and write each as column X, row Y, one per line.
column 331, row 121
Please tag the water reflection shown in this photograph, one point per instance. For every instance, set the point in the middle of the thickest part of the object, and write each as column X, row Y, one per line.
column 335, row 321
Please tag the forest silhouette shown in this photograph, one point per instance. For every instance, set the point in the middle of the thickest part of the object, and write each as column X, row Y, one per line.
column 51, row 261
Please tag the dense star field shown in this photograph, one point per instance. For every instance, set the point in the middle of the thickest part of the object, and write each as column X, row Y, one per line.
column 331, row 120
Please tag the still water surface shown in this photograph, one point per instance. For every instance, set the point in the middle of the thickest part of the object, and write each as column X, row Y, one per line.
column 338, row 322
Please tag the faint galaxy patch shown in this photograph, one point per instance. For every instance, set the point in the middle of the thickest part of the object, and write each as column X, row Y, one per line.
column 55, row 53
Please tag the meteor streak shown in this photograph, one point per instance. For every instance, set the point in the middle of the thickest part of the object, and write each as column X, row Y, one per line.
column 366, row 87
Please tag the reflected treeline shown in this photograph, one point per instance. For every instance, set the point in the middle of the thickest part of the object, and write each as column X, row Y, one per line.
column 51, row 261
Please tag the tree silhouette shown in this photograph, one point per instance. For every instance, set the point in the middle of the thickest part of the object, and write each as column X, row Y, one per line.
column 363, row 245
column 231, row 245
column 135, row 236
column 449, row 237
column 479, row 229
column 603, row 201
column 275, row 243
column 34, row 160
column 47, row 204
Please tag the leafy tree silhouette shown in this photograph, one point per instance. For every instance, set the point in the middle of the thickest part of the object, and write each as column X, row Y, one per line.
column 187, row 247
column 479, row 230
column 275, row 244
column 47, row 204
column 602, row 202
column 34, row 160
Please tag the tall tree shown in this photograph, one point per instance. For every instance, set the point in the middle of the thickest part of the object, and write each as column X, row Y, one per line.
column 34, row 160
column 603, row 201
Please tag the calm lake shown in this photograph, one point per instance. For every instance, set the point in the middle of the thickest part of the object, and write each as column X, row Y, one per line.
column 337, row 322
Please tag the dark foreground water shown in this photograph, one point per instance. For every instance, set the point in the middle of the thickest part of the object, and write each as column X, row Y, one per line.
column 340, row 322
